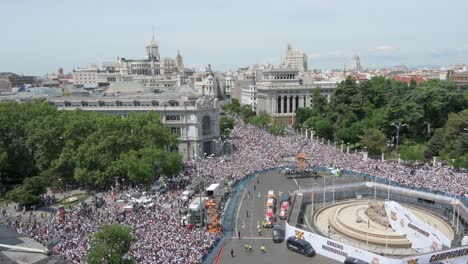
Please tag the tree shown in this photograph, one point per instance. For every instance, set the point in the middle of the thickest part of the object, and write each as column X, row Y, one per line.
column 246, row 112
column 302, row 114
column 413, row 84
column 226, row 124
column 319, row 102
column 374, row 140
column 413, row 152
column 262, row 120
column 234, row 107
column 29, row 193
column 110, row 244
column 436, row 144
column 278, row 128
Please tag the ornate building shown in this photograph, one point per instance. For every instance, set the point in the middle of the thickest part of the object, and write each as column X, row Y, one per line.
column 151, row 71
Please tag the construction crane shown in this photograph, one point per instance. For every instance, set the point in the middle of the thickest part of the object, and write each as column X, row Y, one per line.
column 213, row 226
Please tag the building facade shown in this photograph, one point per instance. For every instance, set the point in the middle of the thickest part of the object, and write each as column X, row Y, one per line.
column 356, row 63
column 281, row 92
column 85, row 76
column 295, row 59
column 151, row 71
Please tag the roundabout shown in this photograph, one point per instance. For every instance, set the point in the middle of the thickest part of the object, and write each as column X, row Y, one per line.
column 366, row 223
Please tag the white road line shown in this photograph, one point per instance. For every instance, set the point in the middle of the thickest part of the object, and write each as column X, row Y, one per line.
column 238, row 209
column 296, row 183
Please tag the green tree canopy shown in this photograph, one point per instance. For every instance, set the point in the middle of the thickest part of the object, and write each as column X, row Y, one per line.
column 110, row 244
column 374, row 140
column 226, row 124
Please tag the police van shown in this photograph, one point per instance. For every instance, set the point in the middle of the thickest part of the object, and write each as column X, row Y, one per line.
column 300, row 246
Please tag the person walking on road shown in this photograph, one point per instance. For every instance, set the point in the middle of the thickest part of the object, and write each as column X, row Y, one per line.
column 238, row 234
column 254, row 188
column 232, row 252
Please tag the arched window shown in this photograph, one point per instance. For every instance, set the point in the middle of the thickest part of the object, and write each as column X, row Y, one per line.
column 67, row 103
column 136, row 103
column 154, row 103
column 206, row 125
column 101, row 103
column 118, row 103
column 84, row 103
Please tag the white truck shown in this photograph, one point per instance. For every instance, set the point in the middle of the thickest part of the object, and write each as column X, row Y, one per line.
column 215, row 190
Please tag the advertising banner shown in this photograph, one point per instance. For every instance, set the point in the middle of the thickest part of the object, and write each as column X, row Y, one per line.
column 423, row 237
column 340, row 251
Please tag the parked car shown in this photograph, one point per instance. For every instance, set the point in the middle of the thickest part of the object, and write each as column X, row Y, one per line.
column 278, row 233
column 284, row 210
column 270, row 218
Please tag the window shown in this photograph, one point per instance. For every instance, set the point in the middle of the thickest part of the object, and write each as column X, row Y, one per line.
column 101, row 103
column 67, row 103
column 172, row 118
column 206, row 125
column 84, row 103
column 118, row 103
column 154, row 103
column 175, row 130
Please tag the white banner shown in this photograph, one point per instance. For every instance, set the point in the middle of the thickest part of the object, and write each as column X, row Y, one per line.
column 423, row 237
column 339, row 251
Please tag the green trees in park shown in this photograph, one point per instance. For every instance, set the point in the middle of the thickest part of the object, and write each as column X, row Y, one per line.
column 85, row 147
column 226, row 124
column 357, row 111
column 110, row 244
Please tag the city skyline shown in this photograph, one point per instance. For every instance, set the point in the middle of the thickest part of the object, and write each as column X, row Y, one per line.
column 43, row 36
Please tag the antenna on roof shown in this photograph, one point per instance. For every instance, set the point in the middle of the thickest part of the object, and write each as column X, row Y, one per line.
column 152, row 29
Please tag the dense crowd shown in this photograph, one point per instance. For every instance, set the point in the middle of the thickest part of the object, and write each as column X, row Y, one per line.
column 160, row 237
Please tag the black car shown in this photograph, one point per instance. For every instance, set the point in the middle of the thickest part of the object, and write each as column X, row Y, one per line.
column 278, row 233
column 351, row 260
column 300, row 246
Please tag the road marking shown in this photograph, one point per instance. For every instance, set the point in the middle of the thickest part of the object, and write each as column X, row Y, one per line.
column 238, row 209
column 297, row 183
column 255, row 238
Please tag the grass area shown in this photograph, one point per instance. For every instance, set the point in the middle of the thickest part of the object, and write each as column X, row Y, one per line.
column 72, row 200
column 2, row 201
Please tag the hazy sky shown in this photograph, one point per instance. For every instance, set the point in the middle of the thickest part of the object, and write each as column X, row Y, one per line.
column 38, row 36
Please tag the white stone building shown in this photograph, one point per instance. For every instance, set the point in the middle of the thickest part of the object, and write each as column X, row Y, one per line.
column 85, row 76
column 152, row 71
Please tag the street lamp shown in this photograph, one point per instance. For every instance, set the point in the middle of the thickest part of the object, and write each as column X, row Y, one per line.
column 347, row 148
column 398, row 134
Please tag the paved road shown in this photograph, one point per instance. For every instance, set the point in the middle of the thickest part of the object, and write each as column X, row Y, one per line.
column 255, row 205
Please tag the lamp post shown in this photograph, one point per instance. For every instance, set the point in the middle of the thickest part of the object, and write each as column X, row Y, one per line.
column 306, row 131
column 341, row 146
column 347, row 148
column 397, row 134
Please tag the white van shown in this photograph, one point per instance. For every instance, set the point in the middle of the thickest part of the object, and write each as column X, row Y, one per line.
column 186, row 195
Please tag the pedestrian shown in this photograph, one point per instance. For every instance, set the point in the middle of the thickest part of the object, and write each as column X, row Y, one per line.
column 232, row 252
column 248, row 195
column 258, row 181
column 254, row 188
column 238, row 234
column 247, row 213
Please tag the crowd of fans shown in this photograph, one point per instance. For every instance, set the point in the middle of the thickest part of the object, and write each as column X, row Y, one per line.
column 159, row 235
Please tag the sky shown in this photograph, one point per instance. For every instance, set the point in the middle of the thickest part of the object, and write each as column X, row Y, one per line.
column 39, row 36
